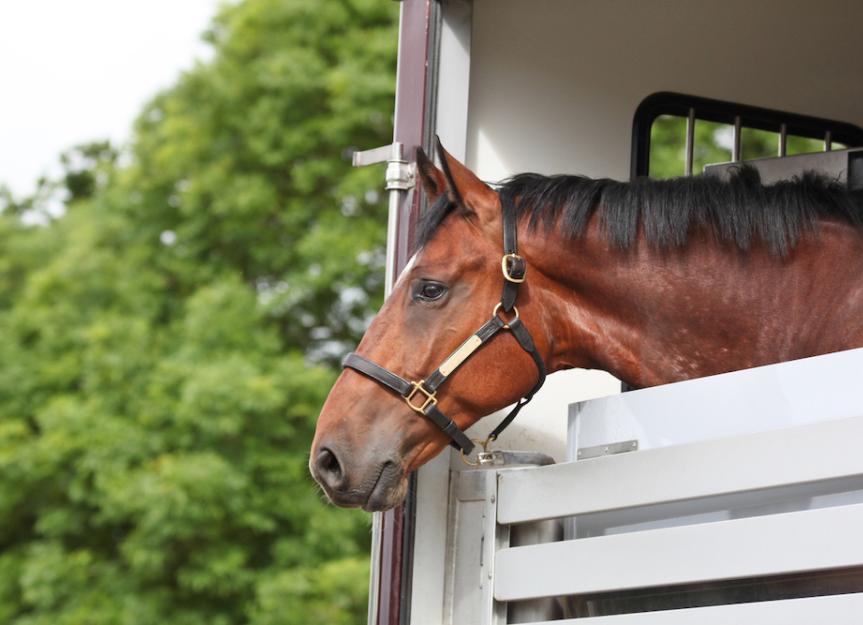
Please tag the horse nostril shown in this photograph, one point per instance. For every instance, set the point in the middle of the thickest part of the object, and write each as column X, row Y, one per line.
column 329, row 468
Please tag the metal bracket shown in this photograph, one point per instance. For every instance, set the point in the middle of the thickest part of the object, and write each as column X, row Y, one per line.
column 500, row 458
column 611, row 449
column 400, row 174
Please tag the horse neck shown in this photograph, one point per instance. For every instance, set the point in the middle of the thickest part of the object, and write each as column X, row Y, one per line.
column 647, row 317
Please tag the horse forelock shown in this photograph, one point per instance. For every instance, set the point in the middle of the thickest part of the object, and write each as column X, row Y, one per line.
column 431, row 219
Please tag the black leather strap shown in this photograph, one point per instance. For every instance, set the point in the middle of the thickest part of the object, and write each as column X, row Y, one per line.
column 509, row 295
column 460, row 440
column 377, row 373
column 519, row 331
column 514, row 264
column 510, row 233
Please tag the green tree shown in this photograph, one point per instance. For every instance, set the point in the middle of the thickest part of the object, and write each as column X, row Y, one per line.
column 168, row 337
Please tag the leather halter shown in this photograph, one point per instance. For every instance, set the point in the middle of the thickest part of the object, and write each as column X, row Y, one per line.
column 421, row 395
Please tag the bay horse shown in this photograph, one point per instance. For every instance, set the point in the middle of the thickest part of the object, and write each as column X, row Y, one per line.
column 654, row 281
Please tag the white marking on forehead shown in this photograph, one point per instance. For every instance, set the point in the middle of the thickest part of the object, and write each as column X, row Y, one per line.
column 407, row 268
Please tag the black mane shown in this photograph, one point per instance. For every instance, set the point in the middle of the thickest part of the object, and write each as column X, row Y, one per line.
column 739, row 210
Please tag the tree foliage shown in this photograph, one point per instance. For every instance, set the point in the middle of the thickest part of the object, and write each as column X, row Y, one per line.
column 167, row 337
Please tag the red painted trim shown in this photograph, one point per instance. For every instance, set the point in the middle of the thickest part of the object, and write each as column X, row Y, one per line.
column 390, row 571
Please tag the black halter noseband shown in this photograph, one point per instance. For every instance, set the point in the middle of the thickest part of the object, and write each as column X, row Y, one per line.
column 421, row 395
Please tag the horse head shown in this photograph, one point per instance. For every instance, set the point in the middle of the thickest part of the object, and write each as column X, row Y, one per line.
column 375, row 427
column 652, row 281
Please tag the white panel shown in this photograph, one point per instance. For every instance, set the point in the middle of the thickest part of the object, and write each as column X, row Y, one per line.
column 555, row 83
column 742, row 402
column 835, row 610
column 812, row 540
column 429, row 534
column 471, row 542
column 795, row 456
column 454, row 76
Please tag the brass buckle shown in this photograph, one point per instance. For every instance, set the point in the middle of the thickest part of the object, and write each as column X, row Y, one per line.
column 505, row 268
column 430, row 399
column 505, row 323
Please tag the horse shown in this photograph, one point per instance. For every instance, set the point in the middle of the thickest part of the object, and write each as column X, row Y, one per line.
column 653, row 281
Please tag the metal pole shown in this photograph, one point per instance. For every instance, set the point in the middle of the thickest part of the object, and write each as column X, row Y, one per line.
column 828, row 141
column 690, row 141
column 399, row 182
column 783, row 139
column 735, row 151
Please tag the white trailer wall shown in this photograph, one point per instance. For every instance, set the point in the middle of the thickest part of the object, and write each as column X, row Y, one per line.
column 554, row 83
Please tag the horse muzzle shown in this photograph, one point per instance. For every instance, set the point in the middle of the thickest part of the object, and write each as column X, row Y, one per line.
column 371, row 486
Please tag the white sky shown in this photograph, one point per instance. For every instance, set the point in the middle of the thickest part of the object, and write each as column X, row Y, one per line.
column 78, row 70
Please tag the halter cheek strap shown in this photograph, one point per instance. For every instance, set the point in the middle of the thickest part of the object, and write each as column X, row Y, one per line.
column 421, row 395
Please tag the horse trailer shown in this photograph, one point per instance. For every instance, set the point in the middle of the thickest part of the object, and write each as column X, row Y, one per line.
column 736, row 498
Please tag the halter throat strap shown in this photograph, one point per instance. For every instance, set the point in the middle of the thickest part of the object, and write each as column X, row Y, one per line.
column 421, row 395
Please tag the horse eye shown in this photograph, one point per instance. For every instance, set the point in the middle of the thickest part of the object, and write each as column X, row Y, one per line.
column 430, row 291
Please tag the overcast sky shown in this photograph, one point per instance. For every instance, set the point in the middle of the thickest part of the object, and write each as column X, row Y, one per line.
column 77, row 70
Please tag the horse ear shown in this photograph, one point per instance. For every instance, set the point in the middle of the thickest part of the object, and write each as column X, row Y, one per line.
column 432, row 178
column 466, row 189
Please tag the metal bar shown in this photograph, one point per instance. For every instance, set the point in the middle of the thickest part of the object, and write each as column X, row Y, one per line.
column 370, row 157
column 690, row 141
column 735, row 151
column 793, row 542
column 835, row 609
column 828, row 141
column 395, row 201
column 607, row 449
column 783, row 140
column 760, row 461
column 374, row 576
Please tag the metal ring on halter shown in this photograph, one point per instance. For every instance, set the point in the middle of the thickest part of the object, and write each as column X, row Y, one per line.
column 482, row 442
column 506, row 323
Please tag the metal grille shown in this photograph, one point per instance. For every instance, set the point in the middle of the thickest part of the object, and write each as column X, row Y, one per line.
column 739, row 116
